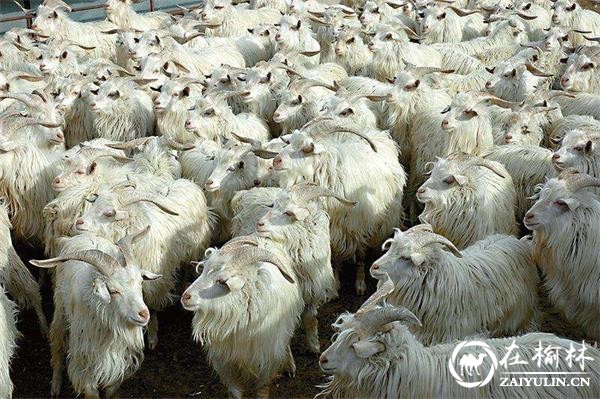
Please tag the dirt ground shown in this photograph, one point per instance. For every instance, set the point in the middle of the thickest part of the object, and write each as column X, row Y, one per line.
column 177, row 368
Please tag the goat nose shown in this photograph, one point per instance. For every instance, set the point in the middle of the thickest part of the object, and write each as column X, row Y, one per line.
column 528, row 216
column 276, row 114
column 445, row 123
column 188, row 123
column 278, row 37
column 42, row 66
column 79, row 222
column 555, row 156
column 323, row 359
column 508, row 137
column 488, row 84
column 421, row 190
column 56, row 181
column 186, row 296
column 60, row 136
column 144, row 314
column 375, row 266
column 260, row 224
column 277, row 160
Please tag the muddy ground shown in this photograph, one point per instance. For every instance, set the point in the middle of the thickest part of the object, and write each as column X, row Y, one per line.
column 177, row 368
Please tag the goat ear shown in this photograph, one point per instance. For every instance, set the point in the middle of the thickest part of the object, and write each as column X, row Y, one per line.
column 101, row 290
column 149, row 276
column 417, row 258
column 301, row 213
column 365, row 349
column 571, row 203
column 460, row 179
column 121, row 215
column 235, row 283
column 91, row 168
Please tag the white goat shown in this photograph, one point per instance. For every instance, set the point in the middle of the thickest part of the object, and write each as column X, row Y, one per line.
column 246, row 307
column 419, row 262
column 468, row 198
column 99, row 313
column 564, row 221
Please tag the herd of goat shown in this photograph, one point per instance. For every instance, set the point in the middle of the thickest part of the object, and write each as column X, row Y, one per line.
column 240, row 150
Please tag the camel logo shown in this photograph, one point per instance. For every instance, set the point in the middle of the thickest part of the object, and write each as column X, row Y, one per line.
column 470, row 363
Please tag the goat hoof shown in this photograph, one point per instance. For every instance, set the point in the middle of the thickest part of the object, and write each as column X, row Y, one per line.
column 152, row 342
column 361, row 287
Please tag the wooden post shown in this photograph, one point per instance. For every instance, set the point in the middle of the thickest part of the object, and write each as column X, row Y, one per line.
column 151, row 5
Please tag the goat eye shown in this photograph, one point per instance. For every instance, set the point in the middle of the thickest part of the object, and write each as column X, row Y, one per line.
column 289, row 214
column 114, row 292
column 346, row 112
column 405, row 259
column 109, row 213
column 39, row 57
column 442, row 16
column 578, row 148
column 218, row 7
column 449, row 180
column 80, row 172
column 351, row 40
column 221, row 281
column 175, row 94
column 446, row 110
column 114, row 94
column 525, row 129
column 308, row 149
column 561, row 204
column 470, row 112
column 587, row 66
column 136, row 40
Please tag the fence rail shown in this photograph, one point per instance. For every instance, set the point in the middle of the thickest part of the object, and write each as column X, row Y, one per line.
column 29, row 16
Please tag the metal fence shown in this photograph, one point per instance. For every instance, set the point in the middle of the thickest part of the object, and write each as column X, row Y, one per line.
column 147, row 5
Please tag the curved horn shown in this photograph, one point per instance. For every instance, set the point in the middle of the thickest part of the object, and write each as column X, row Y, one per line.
column 41, row 95
column 146, row 197
column 462, row 13
column 386, row 288
column 126, row 243
column 124, row 184
column 499, row 101
column 307, row 191
column 536, row 72
column 103, row 262
column 184, row 40
column 377, row 318
column 310, row 53
column 25, row 10
column 175, row 145
column 128, row 145
column 251, row 254
column 256, row 144
column 491, row 167
column 526, row 16
column 428, row 239
column 24, row 99
column 576, row 181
